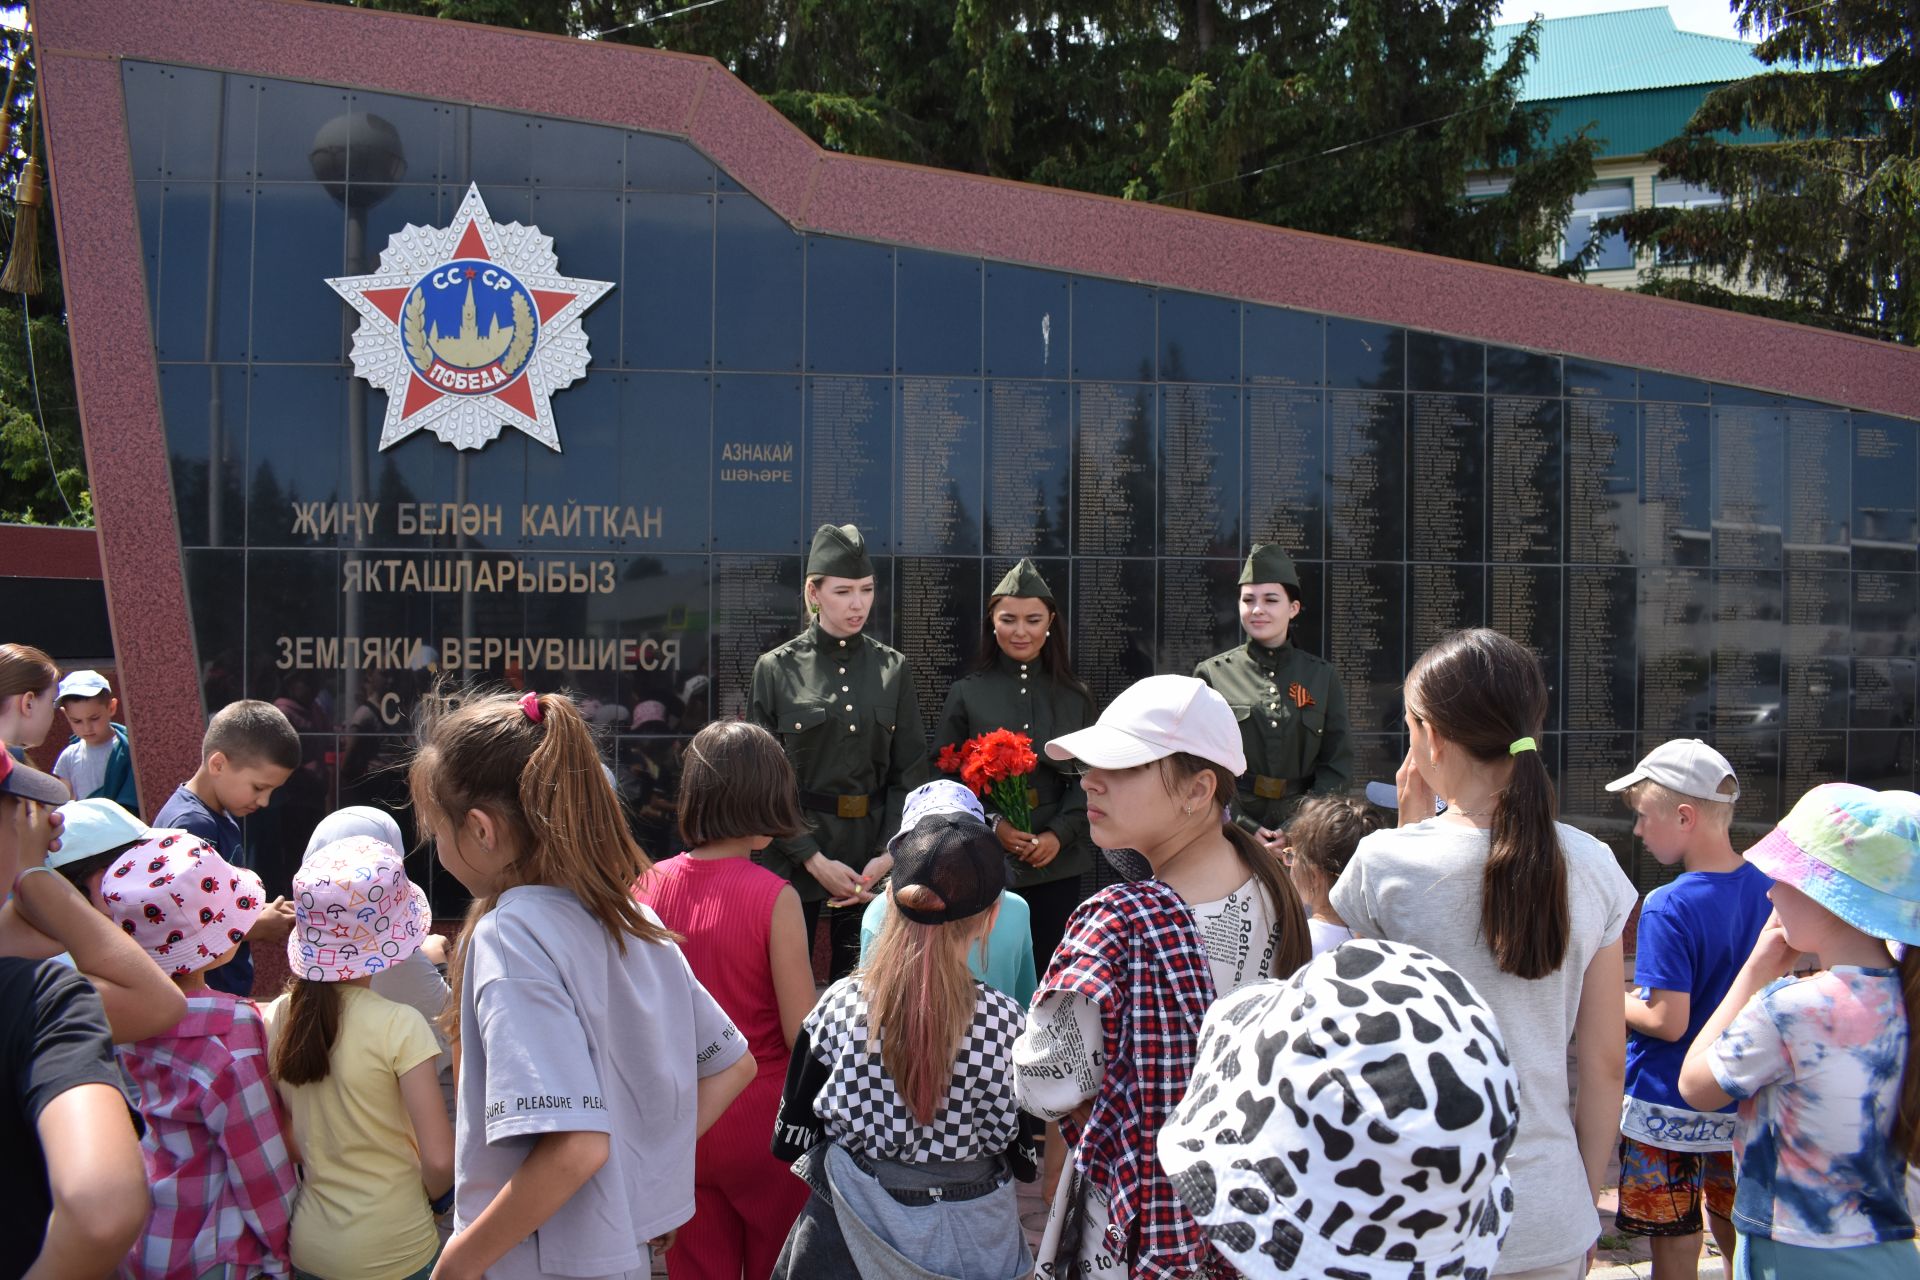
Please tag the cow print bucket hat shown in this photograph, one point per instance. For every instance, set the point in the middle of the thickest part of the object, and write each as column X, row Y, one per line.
column 1351, row 1122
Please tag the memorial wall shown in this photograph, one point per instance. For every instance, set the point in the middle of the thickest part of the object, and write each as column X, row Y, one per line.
column 1686, row 558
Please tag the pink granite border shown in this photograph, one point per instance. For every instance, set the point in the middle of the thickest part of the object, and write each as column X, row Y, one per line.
column 120, row 400
column 42, row 551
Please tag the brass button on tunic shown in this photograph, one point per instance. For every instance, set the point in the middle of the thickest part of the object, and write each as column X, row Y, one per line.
column 1295, row 747
column 803, row 691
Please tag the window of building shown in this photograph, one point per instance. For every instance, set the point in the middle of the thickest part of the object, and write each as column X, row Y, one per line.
column 1682, row 195
column 1601, row 200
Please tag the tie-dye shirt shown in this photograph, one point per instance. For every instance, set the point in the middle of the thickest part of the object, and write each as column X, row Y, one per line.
column 1816, row 1066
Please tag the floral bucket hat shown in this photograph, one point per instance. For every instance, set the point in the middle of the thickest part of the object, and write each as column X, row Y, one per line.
column 355, row 912
column 182, row 902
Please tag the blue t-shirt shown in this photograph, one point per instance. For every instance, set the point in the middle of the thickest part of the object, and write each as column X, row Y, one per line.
column 1009, row 959
column 1695, row 933
column 185, row 811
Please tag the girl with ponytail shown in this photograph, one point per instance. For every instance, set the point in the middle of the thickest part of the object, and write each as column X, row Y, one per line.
column 1528, row 910
column 590, row 1059
column 1823, row 1066
column 358, row 1071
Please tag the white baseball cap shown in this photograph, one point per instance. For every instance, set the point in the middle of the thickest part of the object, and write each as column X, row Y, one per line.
column 90, row 827
column 82, row 684
column 1686, row 766
column 1153, row 719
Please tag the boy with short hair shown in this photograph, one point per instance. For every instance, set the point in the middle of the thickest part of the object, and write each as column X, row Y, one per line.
column 249, row 750
column 99, row 759
column 1695, row 933
column 215, row 1149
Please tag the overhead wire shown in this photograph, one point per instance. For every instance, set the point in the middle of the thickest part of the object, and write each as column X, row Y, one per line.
column 649, row 20
column 26, row 333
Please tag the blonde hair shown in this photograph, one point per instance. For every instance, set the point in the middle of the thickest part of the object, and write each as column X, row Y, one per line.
column 1716, row 814
column 921, row 998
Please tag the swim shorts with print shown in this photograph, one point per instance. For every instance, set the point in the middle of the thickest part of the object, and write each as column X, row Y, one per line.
column 1661, row 1191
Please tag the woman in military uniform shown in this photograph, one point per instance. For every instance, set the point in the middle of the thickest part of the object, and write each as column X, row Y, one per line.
column 1291, row 707
column 1022, row 680
column 843, row 705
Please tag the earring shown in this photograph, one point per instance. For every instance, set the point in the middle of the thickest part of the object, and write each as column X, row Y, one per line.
column 1189, row 811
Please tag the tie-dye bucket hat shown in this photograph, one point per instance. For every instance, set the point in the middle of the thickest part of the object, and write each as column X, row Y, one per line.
column 1854, row 851
column 355, row 912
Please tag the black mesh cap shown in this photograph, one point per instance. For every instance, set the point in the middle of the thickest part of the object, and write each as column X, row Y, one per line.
column 956, row 856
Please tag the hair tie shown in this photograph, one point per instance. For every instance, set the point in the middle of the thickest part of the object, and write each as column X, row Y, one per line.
column 530, row 705
column 1518, row 745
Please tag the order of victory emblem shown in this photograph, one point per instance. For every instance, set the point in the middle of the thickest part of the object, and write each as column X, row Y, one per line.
column 469, row 328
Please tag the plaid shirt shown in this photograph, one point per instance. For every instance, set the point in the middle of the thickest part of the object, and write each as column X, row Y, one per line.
column 223, row 1181
column 1133, row 950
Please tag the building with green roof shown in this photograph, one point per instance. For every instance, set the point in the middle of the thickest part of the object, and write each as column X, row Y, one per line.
column 1637, row 79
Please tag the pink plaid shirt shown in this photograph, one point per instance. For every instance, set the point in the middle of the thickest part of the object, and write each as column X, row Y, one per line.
column 223, row 1181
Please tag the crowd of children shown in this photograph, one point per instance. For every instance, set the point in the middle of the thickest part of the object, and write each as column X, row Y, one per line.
column 1353, row 1051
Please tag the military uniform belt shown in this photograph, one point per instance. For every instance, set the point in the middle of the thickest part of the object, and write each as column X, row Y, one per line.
column 1265, row 788
column 842, row 806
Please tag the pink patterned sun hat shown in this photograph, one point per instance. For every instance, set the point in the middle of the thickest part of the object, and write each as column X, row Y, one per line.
column 355, row 912
column 183, row 903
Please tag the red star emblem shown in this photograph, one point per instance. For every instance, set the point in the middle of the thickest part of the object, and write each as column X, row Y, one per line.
column 455, row 373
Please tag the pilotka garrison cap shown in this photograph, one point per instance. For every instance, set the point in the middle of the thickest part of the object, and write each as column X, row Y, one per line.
column 839, row 552
column 1024, row 581
column 1269, row 562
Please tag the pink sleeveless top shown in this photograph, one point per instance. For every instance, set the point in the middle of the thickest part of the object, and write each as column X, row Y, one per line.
column 723, row 909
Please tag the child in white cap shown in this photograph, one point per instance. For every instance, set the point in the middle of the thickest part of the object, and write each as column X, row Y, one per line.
column 1695, row 932
column 357, row 1072
column 99, row 759
column 1205, row 908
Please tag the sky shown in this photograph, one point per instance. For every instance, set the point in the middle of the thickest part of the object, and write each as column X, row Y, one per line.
column 1709, row 17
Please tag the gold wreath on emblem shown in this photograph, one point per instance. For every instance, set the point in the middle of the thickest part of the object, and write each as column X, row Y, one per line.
column 522, row 345
column 510, row 345
column 414, row 331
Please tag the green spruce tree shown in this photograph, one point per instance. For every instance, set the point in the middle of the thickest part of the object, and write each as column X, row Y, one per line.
column 42, row 467
column 1819, row 162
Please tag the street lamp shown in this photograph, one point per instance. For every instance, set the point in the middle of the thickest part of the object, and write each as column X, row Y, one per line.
column 357, row 157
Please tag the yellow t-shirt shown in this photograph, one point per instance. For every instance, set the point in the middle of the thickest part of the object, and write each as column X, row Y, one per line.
column 362, row 1212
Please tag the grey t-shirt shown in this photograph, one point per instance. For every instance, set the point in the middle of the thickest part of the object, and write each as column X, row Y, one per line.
column 562, row 1033
column 1421, row 885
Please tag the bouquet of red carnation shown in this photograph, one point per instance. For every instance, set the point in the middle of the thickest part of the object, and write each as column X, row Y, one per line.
column 995, row 766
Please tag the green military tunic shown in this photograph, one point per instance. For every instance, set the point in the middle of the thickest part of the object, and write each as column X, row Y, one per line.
column 1293, row 723
column 1022, row 697
column 848, row 716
